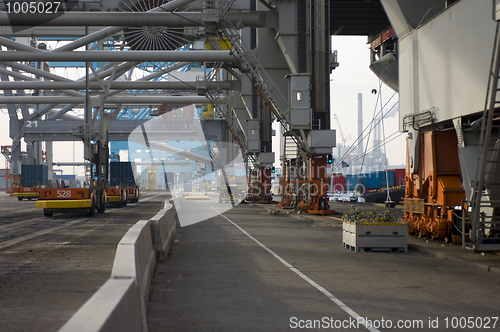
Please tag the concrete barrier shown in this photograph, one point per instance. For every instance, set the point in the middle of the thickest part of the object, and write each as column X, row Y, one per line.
column 164, row 230
column 121, row 303
column 135, row 258
column 176, row 200
column 115, row 307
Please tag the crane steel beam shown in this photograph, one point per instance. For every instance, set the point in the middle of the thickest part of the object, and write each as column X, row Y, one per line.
column 255, row 19
column 182, row 153
column 106, row 32
column 9, row 43
column 113, row 92
column 213, row 129
column 120, row 85
column 130, row 99
column 119, row 56
column 103, row 74
column 168, row 162
column 50, row 32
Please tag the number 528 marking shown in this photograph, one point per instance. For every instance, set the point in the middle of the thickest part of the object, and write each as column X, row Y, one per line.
column 64, row 193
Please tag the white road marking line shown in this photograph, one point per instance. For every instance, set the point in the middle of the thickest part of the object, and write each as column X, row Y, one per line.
column 329, row 295
column 17, row 240
column 15, row 225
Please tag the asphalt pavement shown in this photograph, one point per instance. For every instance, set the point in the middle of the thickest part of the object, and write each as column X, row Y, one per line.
column 261, row 268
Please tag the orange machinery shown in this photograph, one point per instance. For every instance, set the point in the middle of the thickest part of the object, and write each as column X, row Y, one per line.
column 434, row 190
column 133, row 195
column 117, row 196
column 259, row 188
column 11, row 181
column 317, row 202
column 28, row 193
column 285, row 188
column 64, row 200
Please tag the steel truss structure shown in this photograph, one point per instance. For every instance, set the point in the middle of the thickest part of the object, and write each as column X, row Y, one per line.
column 256, row 65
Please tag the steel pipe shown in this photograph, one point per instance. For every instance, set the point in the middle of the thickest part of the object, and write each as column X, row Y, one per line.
column 114, row 92
column 120, row 85
column 119, row 56
column 32, row 70
column 53, row 114
column 86, row 164
column 104, row 73
column 181, row 152
column 129, row 99
column 9, row 43
column 171, row 162
column 256, row 19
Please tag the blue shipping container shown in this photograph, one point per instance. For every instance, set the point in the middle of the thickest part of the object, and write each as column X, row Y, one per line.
column 34, row 175
column 121, row 174
column 372, row 180
column 392, row 178
column 352, row 182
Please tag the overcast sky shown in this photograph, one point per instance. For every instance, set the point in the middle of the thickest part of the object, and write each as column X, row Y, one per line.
column 354, row 76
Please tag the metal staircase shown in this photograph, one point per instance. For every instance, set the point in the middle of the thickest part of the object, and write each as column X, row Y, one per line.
column 212, row 10
column 291, row 150
column 269, row 92
column 215, row 99
column 485, row 233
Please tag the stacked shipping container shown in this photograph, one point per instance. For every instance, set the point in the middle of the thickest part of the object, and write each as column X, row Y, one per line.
column 121, row 174
column 368, row 181
column 34, row 175
column 3, row 180
column 400, row 176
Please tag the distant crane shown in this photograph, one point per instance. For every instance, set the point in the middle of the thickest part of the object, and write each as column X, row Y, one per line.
column 340, row 129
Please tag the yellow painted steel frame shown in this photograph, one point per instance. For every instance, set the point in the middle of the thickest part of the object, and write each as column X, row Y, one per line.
column 64, row 204
column 26, row 194
column 114, row 199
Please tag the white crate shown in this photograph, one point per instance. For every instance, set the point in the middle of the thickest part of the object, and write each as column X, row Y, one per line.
column 347, row 238
column 375, row 237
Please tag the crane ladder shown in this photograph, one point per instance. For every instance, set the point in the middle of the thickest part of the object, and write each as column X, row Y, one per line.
column 264, row 84
column 485, row 232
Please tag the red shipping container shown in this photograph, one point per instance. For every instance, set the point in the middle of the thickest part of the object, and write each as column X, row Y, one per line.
column 338, row 183
column 400, row 175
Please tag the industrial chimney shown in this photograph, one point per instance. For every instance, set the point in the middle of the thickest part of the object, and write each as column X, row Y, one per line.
column 360, row 123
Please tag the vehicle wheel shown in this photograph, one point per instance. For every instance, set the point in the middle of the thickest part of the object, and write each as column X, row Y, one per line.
column 91, row 211
column 47, row 214
column 102, row 206
column 19, row 199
